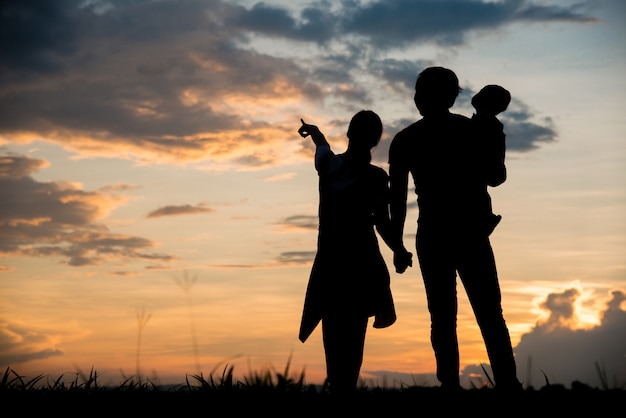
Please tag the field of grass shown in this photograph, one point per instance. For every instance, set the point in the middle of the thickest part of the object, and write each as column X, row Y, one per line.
column 278, row 394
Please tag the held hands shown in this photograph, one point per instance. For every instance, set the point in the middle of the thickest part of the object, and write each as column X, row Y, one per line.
column 402, row 260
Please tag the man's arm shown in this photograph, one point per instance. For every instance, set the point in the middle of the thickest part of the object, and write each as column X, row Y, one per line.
column 397, row 198
column 398, row 181
column 382, row 220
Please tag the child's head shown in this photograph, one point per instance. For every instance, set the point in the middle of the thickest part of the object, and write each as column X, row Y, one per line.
column 365, row 130
column 492, row 99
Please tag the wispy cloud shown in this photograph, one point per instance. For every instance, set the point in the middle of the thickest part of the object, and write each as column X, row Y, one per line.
column 60, row 219
column 299, row 222
column 174, row 210
column 296, row 257
column 18, row 344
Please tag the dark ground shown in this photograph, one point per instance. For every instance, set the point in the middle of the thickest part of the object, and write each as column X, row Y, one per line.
column 550, row 401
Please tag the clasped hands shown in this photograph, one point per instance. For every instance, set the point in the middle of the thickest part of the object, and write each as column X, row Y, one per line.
column 402, row 259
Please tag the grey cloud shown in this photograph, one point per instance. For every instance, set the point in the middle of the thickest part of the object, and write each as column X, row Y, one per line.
column 522, row 134
column 17, row 345
column 118, row 188
column 301, row 221
column 401, row 22
column 526, row 136
column 36, row 35
column 173, row 210
column 615, row 303
column 315, row 24
column 579, row 12
column 396, row 23
column 554, row 351
column 25, row 356
column 136, row 79
column 524, row 130
column 28, row 201
column 400, row 74
column 159, row 77
column 59, row 219
column 18, row 166
column 565, row 355
column 296, row 257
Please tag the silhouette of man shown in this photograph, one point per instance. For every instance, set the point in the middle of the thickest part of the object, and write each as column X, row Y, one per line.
column 452, row 235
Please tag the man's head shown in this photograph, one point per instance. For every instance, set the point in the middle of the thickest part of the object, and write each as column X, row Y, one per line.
column 436, row 89
column 365, row 130
column 491, row 99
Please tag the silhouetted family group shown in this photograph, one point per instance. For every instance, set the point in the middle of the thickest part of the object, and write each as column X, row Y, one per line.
column 452, row 160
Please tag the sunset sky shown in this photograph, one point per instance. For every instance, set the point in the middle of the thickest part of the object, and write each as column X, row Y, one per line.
column 158, row 210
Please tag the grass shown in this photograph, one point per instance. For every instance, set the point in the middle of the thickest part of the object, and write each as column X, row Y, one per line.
column 279, row 393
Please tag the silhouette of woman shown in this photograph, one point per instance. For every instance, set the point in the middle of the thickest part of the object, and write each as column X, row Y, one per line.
column 349, row 280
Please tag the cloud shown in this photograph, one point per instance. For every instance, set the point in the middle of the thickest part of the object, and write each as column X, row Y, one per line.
column 194, row 82
column 60, row 219
column 296, row 222
column 281, row 177
column 397, row 23
column 525, row 131
column 19, row 166
column 19, row 345
column 35, row 36
column 179, row 210
column 565, row 354
column 118, row 188
column 151, row 80
column 555, row 349
column 315, row 23
column 296, row 257
column 404, row 22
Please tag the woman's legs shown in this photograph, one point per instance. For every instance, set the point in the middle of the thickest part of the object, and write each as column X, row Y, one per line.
column 344, row 341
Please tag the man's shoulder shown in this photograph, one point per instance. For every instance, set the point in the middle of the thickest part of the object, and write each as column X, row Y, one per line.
column 409, row 130
column 426, row 124
column 378, row 171
column 460, row 118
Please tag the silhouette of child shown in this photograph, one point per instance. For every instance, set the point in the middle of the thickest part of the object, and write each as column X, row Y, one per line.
column 490, row 101
column 349, row 281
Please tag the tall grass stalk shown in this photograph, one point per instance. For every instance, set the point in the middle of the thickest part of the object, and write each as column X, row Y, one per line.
column 604, row 381
column 186, row 284
column 142, row 320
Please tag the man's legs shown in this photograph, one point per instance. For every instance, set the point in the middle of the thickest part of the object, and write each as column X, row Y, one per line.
column 436, row 264
column 477, row 269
